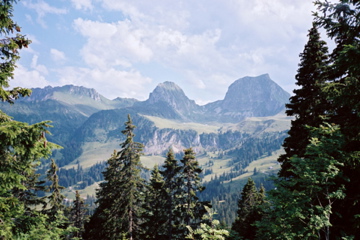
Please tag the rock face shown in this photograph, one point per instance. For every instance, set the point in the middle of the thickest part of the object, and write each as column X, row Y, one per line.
column 170, row 97
column 250, row 97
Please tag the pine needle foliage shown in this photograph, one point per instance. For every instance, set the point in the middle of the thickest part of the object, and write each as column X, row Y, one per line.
column 121, row 195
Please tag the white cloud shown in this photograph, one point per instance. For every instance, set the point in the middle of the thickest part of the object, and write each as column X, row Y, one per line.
column 43, row 8
column 202, row 45
column 203, row 41
column 38, row 67
column 82, row 4
column 113, row 44
column 28, row 78
column 57, row 56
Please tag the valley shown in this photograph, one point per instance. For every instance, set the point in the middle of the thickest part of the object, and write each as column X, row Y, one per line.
column 234, row 138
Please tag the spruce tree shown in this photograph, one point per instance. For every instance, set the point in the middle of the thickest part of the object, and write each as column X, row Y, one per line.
column 120, row 197
column 77, row 215
column 249, row 211
column 172, row 186
column 342, row 24
column 307, row 210
column 21, row 148
column 155, row 210
column 308, row 104
column 320, row 197
column 190, row 209
column 10, row 44
column 21, row 145
column 54, row 202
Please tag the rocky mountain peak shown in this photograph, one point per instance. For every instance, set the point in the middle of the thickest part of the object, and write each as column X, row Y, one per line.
column 251, row 97
column 168, row 94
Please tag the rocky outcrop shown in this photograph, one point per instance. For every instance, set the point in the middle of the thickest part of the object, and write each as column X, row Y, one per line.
column 249, row 97
column 169, row 95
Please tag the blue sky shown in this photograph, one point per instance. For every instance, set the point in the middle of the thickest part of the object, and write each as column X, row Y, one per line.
column 125, row 48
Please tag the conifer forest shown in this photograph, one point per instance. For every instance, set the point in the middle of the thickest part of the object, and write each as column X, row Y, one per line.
column 315, row 195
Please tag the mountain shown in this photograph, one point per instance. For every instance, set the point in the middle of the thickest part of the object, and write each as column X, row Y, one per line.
column 68, row 107
column 249, row 97
column 246, row 97
column 83, row 119
column 169, row 97
column 86, row 101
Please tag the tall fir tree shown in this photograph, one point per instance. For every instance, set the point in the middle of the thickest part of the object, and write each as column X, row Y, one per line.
column 342, row 24
column 10, row 44
column 155, row 210
column 308, row 104
column 172, row 185
column 190, row 209
column 55, row 201
column 303, row 206
column 322, row 200
column 77, row 215
column 120, row 197
column 249, row 211
column 21, row 145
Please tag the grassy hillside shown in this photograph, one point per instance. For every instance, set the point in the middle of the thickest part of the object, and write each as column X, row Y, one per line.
column 265, row 167
column 221, row 161
column 94, row 152
column 198, row 127
column 257, row 125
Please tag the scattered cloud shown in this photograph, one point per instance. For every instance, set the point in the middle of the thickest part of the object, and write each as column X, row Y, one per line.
column 202, row 45
column 82, row 4
column 113, row 44
column 38, row 67
column 57, row 56
column 28, row 78
column 42, row 9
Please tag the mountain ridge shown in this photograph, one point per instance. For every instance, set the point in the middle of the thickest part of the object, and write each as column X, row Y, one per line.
column 246, row 97
column 82, row 116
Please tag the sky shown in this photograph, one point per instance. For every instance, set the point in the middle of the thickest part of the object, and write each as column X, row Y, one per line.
column 126, row 48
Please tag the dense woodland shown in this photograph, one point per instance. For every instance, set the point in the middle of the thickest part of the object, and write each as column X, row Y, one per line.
column 316, row 194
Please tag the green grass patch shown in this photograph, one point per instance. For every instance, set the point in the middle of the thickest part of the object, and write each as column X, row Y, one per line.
column 94, row 152
column 82, row 100
column 220, row 164
column 198, row 127
column 264, row 165
column 151, row 161
column 89, row 190
column 256, row 125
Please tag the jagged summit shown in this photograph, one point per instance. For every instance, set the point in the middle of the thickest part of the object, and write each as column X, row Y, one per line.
column 169, row 86
column 169, row 95
column 168, row 92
